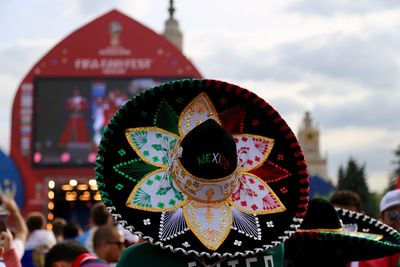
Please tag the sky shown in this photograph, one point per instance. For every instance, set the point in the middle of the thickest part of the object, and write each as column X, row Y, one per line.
column 337, row 59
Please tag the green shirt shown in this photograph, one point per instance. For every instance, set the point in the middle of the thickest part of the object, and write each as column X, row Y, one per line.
column 147, row 255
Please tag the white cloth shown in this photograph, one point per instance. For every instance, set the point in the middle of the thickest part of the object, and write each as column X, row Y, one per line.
column 390, row 199
column 128, row 236
column 19, row 247
column 40, row 239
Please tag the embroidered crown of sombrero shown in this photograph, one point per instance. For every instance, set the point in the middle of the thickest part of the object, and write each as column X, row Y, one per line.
column 203, row 167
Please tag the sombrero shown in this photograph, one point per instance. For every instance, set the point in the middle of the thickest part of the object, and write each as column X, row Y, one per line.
column 340, row 235
column 204, row 167
column 143, row 254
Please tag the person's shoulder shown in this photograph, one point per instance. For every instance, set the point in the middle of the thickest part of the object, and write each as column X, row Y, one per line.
column 83, row 237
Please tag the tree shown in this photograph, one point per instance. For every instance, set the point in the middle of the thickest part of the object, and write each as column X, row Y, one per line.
column 353, row 178
column 395, row 176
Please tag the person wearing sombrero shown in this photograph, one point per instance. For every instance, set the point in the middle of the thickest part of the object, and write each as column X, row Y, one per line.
column 389, row 214
column 205, row 169
column 335, row 237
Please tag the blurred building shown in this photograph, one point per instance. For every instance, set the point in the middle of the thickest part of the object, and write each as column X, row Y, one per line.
column 310, row 143
column 172, row 31
column 309, row 138
column 67, row 98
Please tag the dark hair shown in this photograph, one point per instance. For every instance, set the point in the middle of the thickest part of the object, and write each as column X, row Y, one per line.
column 65, row 251
column 346, row 198
column 104, row 233
column 99, row 214
column 35, row 221
column 58, row 226
column 71, row 230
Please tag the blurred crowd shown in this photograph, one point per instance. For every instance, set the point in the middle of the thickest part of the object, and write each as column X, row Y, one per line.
column 28, row 242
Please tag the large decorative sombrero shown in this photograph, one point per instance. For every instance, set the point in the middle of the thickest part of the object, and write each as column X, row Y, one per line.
column 203, row 167
column 340, row 235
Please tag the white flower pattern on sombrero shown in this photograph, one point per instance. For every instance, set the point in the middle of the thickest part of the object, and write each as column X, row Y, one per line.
column 211, row 209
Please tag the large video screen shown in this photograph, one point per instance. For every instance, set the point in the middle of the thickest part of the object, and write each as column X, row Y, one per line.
column 70, row 116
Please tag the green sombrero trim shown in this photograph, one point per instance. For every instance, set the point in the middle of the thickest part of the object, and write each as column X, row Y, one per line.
column 166, row 118
column 134, row 169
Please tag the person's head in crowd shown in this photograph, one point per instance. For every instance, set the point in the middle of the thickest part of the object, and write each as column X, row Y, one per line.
column 71, row 253
column 346, row 199
column 334, row 237
column 64, row 254
column 108, row 243
column 390, row 209
column 58, row 228
column 72, row 230
column 99, row 215
column 35, row 221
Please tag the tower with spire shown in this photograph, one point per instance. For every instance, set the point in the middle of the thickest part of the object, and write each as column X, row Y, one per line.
column 171, row 31
column 309, row 141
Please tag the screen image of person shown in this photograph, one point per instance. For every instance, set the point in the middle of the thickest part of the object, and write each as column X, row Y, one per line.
column 76, row 130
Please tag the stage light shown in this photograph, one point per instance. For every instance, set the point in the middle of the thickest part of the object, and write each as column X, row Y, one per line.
column 92, row 182
column 85, row 196
column 70, row 196
column 50, row 194
column 92, row 157
column 65, row 157
column 73, row 182
column 94, row 188
column 37, row 157
column 51, row 184
column 97, row 196
column 82, row 187
column 50, row 205
column 66, row 187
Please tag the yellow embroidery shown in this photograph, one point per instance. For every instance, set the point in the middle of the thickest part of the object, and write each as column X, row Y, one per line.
column 200, row 104
column 152, row 209
column 147, row 129
column 212, row 238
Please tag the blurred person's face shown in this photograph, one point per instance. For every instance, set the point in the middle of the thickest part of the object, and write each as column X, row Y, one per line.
column 114, row 247
column 391, row 217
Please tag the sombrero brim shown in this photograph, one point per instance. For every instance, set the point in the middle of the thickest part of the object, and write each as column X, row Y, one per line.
column 123, row 171
column 370, row 248
column 372, row 240
column 142, row 254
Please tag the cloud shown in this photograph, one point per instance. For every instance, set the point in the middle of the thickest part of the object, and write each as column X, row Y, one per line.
column 6, row 98
column 378, row 109
column 352, row 138
column 341, row 57
column 333, row 7
column 19, row 58
column 337, row 59
column 345, row 57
